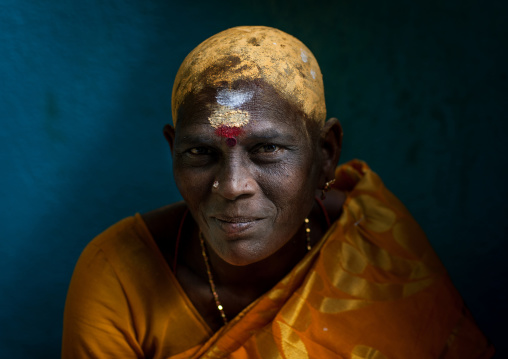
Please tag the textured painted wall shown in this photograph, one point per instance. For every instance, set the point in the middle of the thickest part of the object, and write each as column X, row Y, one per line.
column 420, row 87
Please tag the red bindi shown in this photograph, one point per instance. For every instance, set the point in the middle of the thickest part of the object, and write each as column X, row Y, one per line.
column 231, row 142
column 228, row 131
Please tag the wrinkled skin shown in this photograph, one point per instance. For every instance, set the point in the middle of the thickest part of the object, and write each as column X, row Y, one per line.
column 267, row 181
column 253, row 221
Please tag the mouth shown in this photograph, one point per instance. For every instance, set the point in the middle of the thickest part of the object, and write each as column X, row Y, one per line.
column 236, row 225
column 236, row 219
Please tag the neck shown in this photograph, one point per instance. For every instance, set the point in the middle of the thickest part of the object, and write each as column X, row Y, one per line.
column 262, row 275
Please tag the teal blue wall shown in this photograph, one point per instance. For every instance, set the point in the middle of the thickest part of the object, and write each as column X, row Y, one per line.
column 420, row 87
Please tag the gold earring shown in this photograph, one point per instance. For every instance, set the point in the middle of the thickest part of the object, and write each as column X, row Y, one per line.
column 326, row 188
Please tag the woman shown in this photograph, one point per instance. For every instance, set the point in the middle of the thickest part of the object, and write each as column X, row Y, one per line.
column 273, row 252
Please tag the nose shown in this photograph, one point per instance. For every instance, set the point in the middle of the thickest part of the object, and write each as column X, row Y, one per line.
column 235, row 179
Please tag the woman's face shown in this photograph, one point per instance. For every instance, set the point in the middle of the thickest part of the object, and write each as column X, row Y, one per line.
column 267, row 169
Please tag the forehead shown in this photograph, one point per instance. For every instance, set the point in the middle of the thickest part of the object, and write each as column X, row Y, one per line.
column 247, row 106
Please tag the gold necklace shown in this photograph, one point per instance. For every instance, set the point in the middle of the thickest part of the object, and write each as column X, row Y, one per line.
column 307, row 234
column 210, row 280
column 209, row 272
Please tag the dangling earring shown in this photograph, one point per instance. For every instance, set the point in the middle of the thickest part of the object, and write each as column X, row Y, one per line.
column 326, row 188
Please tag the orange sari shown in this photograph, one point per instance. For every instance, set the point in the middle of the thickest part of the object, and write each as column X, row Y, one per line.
column 371, row 288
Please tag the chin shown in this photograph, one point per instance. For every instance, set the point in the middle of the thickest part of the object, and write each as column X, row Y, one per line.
column 242, row 253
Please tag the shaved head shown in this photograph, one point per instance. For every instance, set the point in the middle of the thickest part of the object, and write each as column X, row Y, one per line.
column 246, row 54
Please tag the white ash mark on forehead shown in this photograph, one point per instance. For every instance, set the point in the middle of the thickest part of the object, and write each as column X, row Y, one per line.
column 313, row 74
column 303, row 55
column 233, row 98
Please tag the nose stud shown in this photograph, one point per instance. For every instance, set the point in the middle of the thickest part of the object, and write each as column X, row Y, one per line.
column 215, row 184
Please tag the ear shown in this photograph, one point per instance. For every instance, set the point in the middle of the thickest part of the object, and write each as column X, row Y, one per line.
column 169, row 134
column 331, row 147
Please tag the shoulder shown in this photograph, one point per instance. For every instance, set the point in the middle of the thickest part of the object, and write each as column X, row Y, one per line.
column 380, row 228
column 120, row 283
column 121, row 236
column 126, row 231
column 150, row 233
column 142, row 237
column 127, row 256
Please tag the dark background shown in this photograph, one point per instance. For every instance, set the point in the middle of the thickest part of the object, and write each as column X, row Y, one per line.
column 419, row 86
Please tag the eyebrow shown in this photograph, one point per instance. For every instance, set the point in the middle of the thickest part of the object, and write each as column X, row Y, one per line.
column 191, row 138
column 270, row 135
column 260, row 136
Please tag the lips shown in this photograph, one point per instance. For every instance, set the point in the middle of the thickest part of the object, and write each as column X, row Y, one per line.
column 237, row 224
column 236, row 219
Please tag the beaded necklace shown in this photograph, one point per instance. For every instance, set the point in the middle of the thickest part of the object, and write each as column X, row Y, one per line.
column 210, row 280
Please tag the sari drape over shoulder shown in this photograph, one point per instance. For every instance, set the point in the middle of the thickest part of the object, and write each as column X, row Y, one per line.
column 371, row 288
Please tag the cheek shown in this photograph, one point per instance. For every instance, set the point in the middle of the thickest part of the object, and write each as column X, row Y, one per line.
column 289, row 185
column 193, row 187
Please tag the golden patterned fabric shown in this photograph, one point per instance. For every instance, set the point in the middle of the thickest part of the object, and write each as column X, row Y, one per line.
column 372, row 288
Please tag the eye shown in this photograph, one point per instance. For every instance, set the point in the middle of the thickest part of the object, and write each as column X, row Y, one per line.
column 197, row 156
column 268, row 148
column 196, row 151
